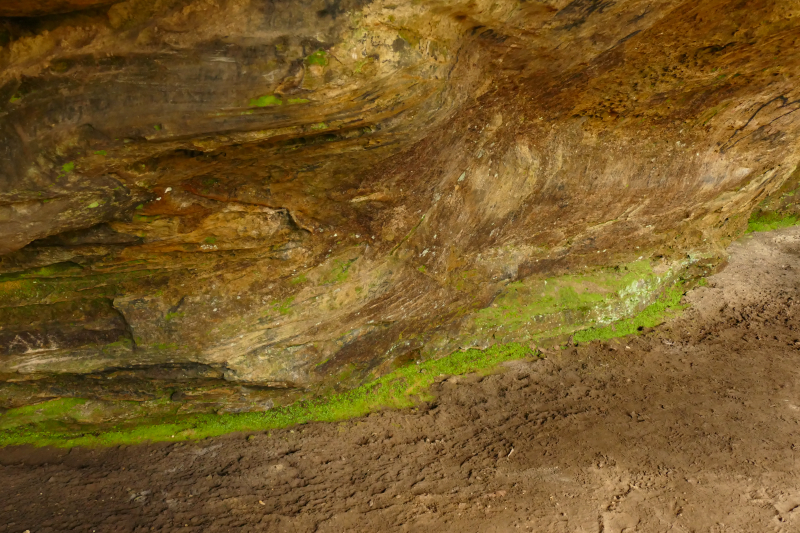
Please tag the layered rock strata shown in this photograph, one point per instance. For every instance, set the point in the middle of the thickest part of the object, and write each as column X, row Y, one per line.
column 305, row 193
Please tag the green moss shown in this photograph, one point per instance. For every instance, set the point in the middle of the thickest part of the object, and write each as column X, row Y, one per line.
column 101, row 152
column 50, row 271
column 157, row 127
column 172, row 316
column 320, row 57
column 68, row 167
column 601, row 295
column 653, row 315
column 284, row 306
column 39, row 412
column 768, row 221
column 320, row 126
column 265, row 101
column 402, row 388
column 210, row 240
column 64, row 282
column 299, row 279
column 613, row 290
column 421, row 268
column 94, row 205
column 15, row 99
column 294, row 101
column 339, row 273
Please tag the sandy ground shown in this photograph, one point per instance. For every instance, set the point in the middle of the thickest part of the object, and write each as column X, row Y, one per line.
column 691, row 427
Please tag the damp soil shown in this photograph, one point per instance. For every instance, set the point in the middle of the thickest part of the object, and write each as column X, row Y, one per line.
column 692, row 426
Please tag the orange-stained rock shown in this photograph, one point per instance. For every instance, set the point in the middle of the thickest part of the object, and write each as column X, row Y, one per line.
column 306, row 191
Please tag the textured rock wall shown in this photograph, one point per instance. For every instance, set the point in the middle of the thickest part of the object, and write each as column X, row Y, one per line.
column 298, row 192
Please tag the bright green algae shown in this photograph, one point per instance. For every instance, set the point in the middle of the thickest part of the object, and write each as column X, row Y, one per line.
column 768, row 221
column 542, row 310
column 400, row 389
column 654, row 314
column 611, row 302
column 320, row 58
column 266, row 101
column 57, row 422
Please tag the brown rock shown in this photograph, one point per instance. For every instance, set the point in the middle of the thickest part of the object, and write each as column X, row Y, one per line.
column 306, row 192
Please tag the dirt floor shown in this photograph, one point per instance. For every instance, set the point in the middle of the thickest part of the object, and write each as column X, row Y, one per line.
column 691, row 427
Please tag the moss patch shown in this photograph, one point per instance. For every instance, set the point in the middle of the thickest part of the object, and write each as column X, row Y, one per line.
column 63, row 423
column 535, row 309
column 653, row 315
column 266, row 101
column 596, row 305
column 400, row 389
column 338, row 273
column 283, row 307
column 781, row 209
column 56, row 270
column 172, row 316
column 768, row 221
column 40, row 413
column 299, row 280
column 320, row 57
column 66, row 281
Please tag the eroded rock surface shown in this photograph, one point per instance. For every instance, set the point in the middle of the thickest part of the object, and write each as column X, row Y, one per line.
column 302, row 192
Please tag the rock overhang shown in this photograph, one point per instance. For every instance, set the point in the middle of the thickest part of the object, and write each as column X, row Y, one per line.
column 302, row 193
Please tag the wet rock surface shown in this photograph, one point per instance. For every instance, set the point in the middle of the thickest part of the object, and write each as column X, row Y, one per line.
column 690, row 426
column 303, row 192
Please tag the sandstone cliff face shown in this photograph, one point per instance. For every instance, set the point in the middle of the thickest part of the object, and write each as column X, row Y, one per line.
column 307, row 192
